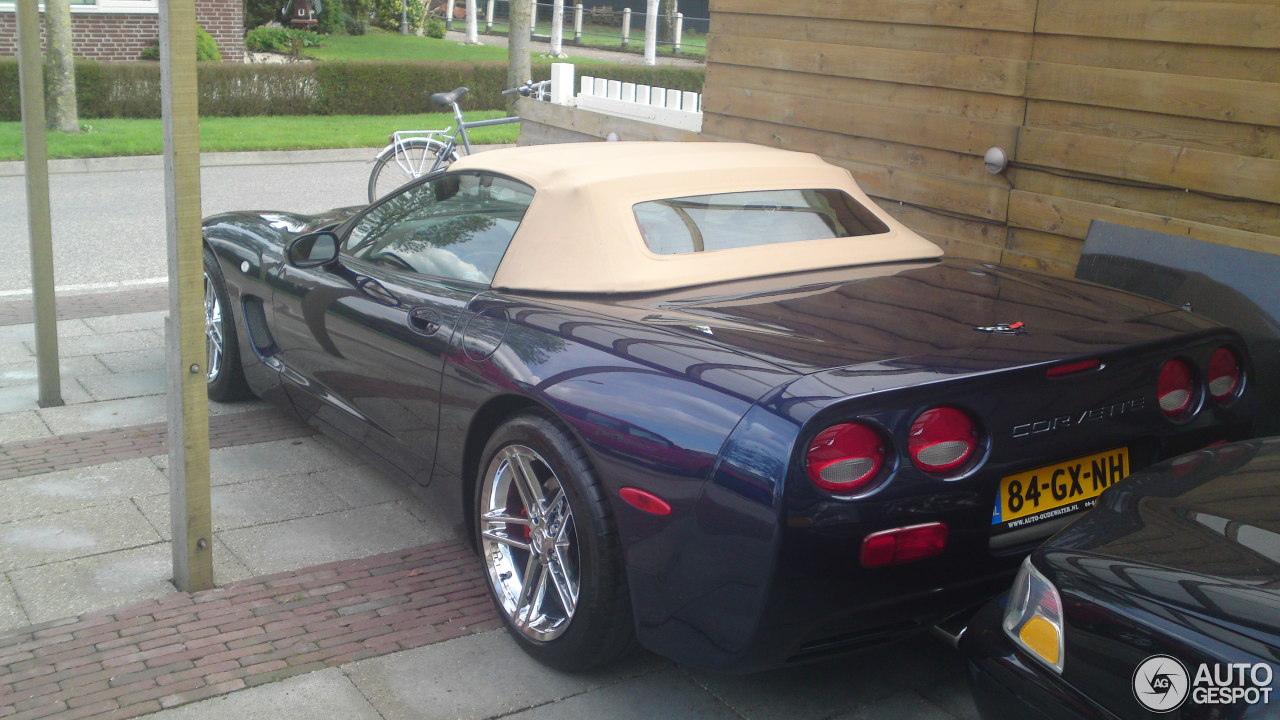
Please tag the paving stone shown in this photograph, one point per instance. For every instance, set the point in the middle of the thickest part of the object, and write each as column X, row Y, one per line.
column 105, row 415
column 905, row 704
column 360, row 485
column 326, row 538
column 133, row 360
column 15, row 352
column 239, row 406
column 667, row 694
column 952, row 694
column 11, row 614
column 94, row 344
column 26, row 332
column 79, row 533
column 109, row 580
column 264, row 460
column 17, row 398
column 254, row 503
column 480, row 676
column 321, row 694
column 66, row 490
column 126, row 385
column 24, row 373
column 23, row 425
column 815, row 690
column 125, row 323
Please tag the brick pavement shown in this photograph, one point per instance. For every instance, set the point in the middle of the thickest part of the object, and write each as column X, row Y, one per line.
column 72, row 307
column 186, row 647
column 31, row 457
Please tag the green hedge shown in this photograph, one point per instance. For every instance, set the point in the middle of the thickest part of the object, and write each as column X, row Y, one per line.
column 132, row 90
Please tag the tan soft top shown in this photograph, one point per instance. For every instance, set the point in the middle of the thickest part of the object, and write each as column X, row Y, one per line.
column 580, row 233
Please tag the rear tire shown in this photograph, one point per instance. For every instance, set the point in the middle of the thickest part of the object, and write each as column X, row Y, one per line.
column 222, row 347
column 419, row 152
column 552, row 556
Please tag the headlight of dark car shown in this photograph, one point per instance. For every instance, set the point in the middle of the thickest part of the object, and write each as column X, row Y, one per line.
column 1033, row 616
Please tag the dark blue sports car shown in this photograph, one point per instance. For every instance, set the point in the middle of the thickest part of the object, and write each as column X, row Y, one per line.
column 707, row 396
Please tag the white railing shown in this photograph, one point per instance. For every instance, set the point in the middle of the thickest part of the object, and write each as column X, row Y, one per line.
column 662, row 106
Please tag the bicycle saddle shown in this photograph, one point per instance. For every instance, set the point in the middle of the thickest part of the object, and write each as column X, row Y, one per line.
column 445, row 99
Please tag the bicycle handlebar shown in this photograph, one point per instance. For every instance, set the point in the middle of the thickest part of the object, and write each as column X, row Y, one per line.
column 527, row 89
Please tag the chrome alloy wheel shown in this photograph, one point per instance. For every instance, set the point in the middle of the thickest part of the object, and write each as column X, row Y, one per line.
column 529, row 542
column 213, row 329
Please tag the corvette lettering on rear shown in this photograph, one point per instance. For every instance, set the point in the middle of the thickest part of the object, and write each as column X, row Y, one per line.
column 1039, row 427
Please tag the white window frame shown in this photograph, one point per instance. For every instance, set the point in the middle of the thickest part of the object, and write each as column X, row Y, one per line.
column 103, row 7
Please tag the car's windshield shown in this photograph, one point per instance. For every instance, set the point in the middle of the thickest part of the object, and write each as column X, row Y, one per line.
column 702, row 223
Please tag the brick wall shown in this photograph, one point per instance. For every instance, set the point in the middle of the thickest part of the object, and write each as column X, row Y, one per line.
column 123, row 36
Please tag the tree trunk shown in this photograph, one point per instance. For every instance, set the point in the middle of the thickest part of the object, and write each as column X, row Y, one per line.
column 60, row 67
column 519, row 64
column 667, row 20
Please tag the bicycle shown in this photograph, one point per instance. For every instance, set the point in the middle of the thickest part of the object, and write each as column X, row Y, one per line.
column 414, row 153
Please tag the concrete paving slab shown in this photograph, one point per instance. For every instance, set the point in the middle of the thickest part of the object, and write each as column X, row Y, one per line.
column 126, row 385
column 239, row 406
column 107, row 343
column 66, row 490
column 667, row 694
column 133, row 360
column 105, row 415
column 322, row 694
column 77, row 367
column 15, row 352
column 16, row 398
column 480, row 676
column 126, row 323
column 253, row 503
column 11, row 614
column 263, row 460
column 79, row 533
column 361, row 485
column 825, row 689
column 72, row 587
column 26, row 332
column 905, row 704
column 22, row 425
column 952, row 694
column 325, row 538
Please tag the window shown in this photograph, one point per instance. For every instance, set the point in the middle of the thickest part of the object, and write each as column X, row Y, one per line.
column 702, row 223
column 457, row 226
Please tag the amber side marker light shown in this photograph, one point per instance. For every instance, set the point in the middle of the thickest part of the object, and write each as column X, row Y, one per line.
column 904, row 544
column 645, row 501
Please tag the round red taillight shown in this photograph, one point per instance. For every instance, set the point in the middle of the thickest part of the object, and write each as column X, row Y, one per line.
column 1224, row 374
column 942, row 439
column 845, row 458
column 1176, row 389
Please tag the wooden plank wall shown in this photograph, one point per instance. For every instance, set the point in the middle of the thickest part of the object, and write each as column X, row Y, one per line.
column 1161, row 114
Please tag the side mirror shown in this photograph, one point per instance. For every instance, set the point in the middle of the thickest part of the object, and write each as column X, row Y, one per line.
column 313, row 249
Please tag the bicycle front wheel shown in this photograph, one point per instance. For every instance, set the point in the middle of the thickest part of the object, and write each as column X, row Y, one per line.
column 412, row 159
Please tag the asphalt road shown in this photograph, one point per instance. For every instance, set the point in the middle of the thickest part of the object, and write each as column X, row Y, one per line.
column 109, row 218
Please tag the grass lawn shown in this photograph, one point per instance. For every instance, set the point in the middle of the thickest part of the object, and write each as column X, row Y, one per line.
column 379, row 44
column 144, row 137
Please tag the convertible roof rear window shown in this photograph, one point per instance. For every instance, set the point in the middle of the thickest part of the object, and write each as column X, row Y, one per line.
column 703, row 223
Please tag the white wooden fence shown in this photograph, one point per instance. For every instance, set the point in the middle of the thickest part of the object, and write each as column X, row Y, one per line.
column 662, row 106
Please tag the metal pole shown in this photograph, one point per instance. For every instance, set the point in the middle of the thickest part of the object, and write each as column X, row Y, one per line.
column 557, row 28
column 577, row 23
column 404, row 17
column 448, row 16
column 488, row 17
column 651, row 34
column 189, row 511
column 31, row 84
column 533, row 18
column 626, row 27
column 675, row 46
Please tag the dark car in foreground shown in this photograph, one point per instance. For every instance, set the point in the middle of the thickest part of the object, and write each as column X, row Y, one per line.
column 707, row 396
column 1163, row 600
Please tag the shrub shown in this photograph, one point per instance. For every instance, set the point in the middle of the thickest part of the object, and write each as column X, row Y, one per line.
column 270, row 38
column 332, row 18
column 434, row 28
column 261, row 12
column 206, row 48
column 386, row 14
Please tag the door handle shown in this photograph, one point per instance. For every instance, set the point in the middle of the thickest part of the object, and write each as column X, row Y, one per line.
column 424, row 321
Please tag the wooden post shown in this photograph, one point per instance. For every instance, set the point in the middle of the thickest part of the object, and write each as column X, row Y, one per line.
column 557, row 28
column 577, row 23
column 473, row 30
column 488, row 17
column 448, row 15
column 533, row 18
column 679, row 31
column 626, row 27
column 186, row 354
column 651, row 34
column 31, row 87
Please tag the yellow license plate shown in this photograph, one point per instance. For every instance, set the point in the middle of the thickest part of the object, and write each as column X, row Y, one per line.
column 1055, row 490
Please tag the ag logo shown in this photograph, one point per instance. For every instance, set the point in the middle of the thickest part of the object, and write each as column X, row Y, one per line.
column 1161, row 683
